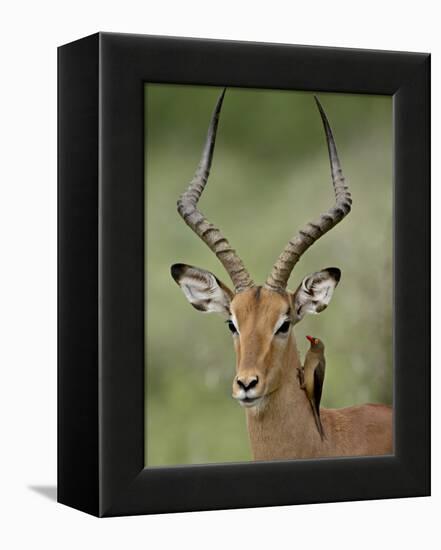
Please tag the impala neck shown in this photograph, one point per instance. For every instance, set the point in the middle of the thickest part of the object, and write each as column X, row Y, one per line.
column 284, row 427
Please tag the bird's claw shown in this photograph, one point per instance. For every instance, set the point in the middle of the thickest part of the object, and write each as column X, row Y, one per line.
column 301, row 377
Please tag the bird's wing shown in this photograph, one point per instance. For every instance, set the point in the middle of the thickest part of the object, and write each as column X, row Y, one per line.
column 319, row 376
column 311, row 363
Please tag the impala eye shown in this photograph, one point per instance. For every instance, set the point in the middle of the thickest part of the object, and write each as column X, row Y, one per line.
column 231, row 326
column 284, row 327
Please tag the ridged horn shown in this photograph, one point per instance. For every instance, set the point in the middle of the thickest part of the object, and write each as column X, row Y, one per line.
column 211, row 235
column 308, row 235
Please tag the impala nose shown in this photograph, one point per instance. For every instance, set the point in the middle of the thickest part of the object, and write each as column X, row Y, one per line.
column 247, row 382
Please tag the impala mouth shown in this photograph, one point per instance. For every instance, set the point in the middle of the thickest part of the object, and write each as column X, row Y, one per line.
column 249, row 401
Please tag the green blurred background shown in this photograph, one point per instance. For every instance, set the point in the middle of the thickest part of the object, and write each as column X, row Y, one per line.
column 270, row 175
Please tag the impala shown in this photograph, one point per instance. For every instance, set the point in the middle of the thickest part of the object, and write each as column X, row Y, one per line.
column 261, row 319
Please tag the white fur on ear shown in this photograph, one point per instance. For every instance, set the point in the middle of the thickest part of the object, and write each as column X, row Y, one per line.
column 202, row 289
column 315, row 292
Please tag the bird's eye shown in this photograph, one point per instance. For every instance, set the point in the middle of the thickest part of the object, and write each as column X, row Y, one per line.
column 231, row 326
column 284, row 327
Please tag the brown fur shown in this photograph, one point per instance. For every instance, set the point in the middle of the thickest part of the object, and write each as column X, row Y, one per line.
column 282, row 425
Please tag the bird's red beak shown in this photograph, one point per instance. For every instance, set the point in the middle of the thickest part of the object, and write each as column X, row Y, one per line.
column 310, row 338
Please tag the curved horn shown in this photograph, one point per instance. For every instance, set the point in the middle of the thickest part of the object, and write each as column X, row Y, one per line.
column 312, row 231
column 187, row 208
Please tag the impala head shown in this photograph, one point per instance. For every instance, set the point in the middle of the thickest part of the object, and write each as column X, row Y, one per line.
column 260, row 318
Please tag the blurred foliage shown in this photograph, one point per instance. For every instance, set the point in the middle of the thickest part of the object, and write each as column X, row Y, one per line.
column 270, row 175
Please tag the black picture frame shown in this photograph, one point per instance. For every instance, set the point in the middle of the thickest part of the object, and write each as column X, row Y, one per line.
column 101, row 274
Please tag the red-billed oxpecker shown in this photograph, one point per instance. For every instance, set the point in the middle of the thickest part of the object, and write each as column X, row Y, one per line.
column 312, row 376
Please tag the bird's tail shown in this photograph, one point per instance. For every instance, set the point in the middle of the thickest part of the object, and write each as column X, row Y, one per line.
column 318, row 422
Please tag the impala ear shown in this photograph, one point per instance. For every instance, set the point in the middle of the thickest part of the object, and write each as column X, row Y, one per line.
column 202, row 289
column 315, row 292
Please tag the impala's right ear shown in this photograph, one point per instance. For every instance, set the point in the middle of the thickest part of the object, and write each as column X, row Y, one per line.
column 202, row 289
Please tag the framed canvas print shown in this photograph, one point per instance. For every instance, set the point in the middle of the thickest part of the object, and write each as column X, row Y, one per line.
column 244, row 263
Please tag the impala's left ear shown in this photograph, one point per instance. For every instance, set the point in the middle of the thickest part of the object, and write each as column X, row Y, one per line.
column 315, row 292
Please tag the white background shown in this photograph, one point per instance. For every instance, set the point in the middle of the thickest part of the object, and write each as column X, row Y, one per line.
column 30, row 33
